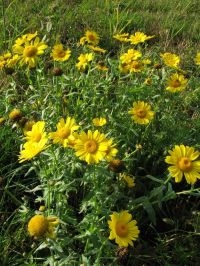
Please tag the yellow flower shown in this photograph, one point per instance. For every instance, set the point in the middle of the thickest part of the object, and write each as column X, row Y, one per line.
column 59, row 54
column 29, row 51
column 31, row 149
column 64, row 133
column 91, row 146
column 11, row 62
column 97, row 49
column 197, row 59
column 15, row 114
column 139, row 37
column 184, row 163
column 130, row 56
column 176, row 83
column 123, row 229
column 37, row 132
column 24, row 38
column 128, row 180
column 84, row 59
column 123, row 37
column 92, row 37
column 28, row 126
column 99, row 122
column 171, row 60
column 141, row 112
column 40, row 226
column 111, row 151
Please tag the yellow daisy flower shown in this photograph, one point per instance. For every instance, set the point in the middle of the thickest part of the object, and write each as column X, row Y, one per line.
column 28, row 126
column 29, row 51
column 130, row 56
column 141, row 112
column 37, row 132
column 97, row 49
column 123, row 229
column 122, row 37
column 139, row 37
column 170, row 59
column 84, row 59
column 31, row 149
column 59, row 54
column 92, row 37
column 64, row 133
column 184, row 163
column 176, row 83
column 99, row 122
column 40, row 226
column 128, row 180
column 111, row 151
column 197, row 59
column 91, row 146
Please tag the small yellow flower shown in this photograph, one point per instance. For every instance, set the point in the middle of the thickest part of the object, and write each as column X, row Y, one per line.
column 90, row 37
column 97, row 49
column 28, row 126
column 197, row 59
column 15, row 114
column 141, row 112
column 111, row 151
column 37, row 132
column 184, row 163
column 128, row 180
column 99, row 122
column 123, row 229
column 130, row 56
column 40, row 226
column 122, row 37
column 176, row 83
column 31, row 149
column 84, row 59
column 139, row 37
column 170, row 59
column 29, row 50
column 59, row 54
column 64, row 134
column 91, row 146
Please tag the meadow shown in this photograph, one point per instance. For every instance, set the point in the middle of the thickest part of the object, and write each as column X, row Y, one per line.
column 99, row 133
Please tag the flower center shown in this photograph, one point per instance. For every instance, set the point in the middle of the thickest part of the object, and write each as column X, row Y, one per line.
column 141, row 113
column 37, row 137
column 185, row 164
column 61, row 54
column 30, row 51
column 91, row 37
column 121, row 229
column 64, row 133
column 91, row 146
column 176, row 83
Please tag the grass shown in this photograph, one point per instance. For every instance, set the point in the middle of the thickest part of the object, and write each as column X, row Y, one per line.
column 82, row 195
